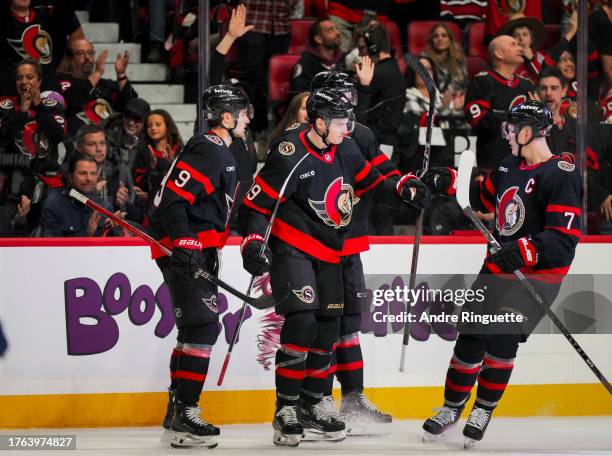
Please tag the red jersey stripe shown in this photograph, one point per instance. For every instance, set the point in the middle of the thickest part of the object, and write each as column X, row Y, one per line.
column 180, row 192
column 201, row 178
column 562, row 208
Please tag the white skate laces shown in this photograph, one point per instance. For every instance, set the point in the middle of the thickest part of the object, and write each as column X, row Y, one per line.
column 445, row 415
column 327, row 403
column 323, row 411
column 193, row 413
column 366, row 403
column 479, row 418
column 288, row 415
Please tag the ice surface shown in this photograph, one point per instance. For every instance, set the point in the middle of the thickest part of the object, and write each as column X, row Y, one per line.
column 506, row 436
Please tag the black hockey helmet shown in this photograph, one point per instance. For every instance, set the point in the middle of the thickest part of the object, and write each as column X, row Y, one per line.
column 222, row 98
column 337, row 80
column 532, row 113
column 328, row 104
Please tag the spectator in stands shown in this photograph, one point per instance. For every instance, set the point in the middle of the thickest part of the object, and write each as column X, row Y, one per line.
column 64, row 216
column 124, row 134
column 271, row 34
column 114, row 183
column 13, row 211
column 295, row 114
column 348, row 15
column 90, row 98
column 449, row 60
column 490, row 96
column 552, row 89
column 381, row 102
column 35, row 124
column 408, row 154
column 600, row 27
column 37, row 32
column 155, row 155
column 322, row 54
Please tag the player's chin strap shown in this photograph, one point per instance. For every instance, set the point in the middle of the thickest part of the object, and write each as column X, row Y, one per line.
column 324, row 135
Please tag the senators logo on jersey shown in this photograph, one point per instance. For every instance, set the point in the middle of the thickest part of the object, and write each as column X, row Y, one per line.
column 510, row 212
column 95, row 111
column 35, row 43
column 337, row 207
column 33, row 143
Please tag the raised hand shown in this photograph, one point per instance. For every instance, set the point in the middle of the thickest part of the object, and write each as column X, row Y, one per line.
column 365, row 71
column 237, row 26
column 121, row 63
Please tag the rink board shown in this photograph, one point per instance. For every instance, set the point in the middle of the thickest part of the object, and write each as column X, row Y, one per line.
column 61, row 370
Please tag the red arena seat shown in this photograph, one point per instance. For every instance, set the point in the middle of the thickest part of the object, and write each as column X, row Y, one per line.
column 476, row 46
column 279, row 79
column 475, row 65
column 299, row 35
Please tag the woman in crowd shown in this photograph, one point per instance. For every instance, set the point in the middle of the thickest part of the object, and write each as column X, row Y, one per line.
column 296, row 113
column 449, row 60
column 161, row 143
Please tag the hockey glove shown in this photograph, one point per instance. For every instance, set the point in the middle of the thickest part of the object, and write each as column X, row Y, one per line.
column 515, row 255
column 413, row 191
column 186, row 256
column 441, row 180
column 252, row 260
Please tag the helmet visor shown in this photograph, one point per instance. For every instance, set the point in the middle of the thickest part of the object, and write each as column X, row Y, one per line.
column 346, row 124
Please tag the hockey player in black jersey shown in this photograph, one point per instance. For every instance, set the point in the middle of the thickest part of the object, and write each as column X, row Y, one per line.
column 191, row 214
column 325, row 176
column 358, row 413
column 536, row 198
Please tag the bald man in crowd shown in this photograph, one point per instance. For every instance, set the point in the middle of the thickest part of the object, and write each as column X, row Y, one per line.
column 490, row 96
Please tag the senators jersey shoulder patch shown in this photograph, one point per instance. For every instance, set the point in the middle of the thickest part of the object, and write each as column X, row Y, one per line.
column 49, row 102
column 6, row 104
column 214, row 139
column 293, row 126
column 286, row 148
column 566, row 166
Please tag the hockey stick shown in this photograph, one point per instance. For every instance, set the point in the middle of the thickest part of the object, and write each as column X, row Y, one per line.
column 466, row 163
column 414, row 63
column 261, row 253
column 262, row 302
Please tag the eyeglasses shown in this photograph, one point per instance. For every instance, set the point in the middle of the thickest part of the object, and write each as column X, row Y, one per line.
column 90, row 53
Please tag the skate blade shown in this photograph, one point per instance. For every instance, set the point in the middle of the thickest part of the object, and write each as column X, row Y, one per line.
column 428, row 437
column 166, row 436
column 315, row 435
column 186, row 440
column 291, row 440
column 469, row 443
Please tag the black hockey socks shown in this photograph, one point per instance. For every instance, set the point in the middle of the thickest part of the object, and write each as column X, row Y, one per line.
column 463, row 370
column 193, row 361
column 493, row 379
column 349, row 367
column 297, row 334
column 318, row 361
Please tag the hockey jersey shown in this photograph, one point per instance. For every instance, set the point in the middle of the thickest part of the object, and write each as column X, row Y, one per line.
column 92, row 105
column 542, row 202
column 489, row 98
column 36, row 134
column 318, row 205
column 196, row 195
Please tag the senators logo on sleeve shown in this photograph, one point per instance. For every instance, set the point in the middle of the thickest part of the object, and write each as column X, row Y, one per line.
column 33, row 143
column 510, row 212
column 95, row 111
column 337, row 207
column 35, row 43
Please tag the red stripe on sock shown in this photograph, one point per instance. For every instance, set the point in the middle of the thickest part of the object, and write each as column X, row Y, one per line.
column 491, row 385
column 349, row 366
column 186, row 375
column 288, row 373
column 458, row 388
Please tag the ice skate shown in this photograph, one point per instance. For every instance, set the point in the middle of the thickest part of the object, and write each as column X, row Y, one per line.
column 321, row 422
column 435, row 426
column 287, row 429
column 476, row 425
column 166, row 436
column 190, row 430
column 362, row 417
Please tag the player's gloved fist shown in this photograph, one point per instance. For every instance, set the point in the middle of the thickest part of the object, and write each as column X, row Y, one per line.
column 441, row 180
column 252, row 260
column 413, row 191
column 515, row 255
column 186, row 256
